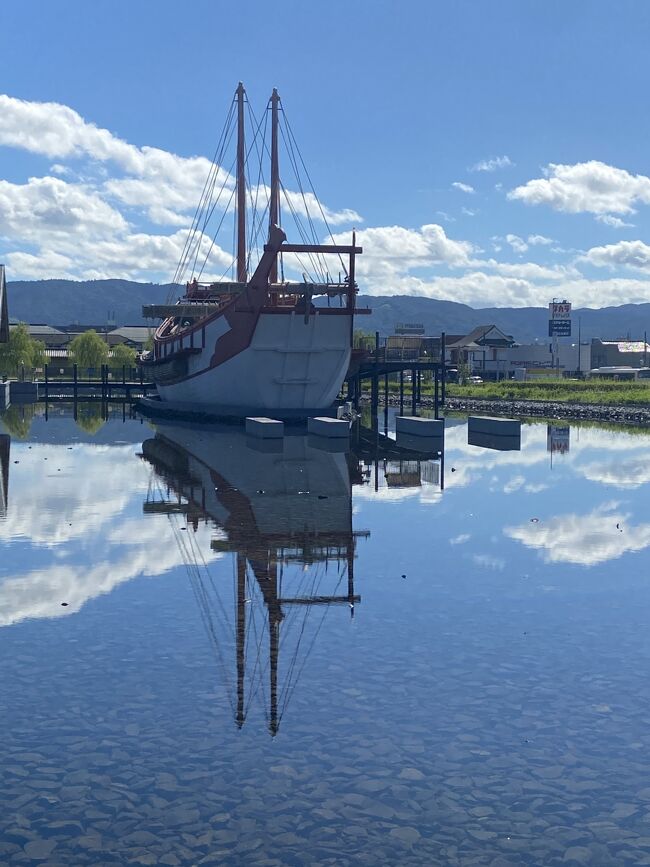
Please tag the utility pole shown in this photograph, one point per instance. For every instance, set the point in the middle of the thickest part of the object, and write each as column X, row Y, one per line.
column 579, row 347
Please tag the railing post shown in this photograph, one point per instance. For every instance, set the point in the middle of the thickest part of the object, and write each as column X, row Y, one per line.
column 386, row 403
column 435, row 394
column 414, row 393
column 443, row 369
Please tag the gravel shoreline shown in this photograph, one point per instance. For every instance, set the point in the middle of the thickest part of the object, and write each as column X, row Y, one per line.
column 545, row 408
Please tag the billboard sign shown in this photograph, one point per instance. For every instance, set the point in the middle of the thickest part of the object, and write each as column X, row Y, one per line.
column 558, row 438
column 559, row 310
column 559, row 319
column 409, row 328
column 559, row 328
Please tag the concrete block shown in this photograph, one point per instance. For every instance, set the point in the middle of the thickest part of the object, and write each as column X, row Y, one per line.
column 328, row 427
column 496, row 426
column 420, row 444
column 494, row 442
column 421, row 427
column 333, row 445
column 265, row 428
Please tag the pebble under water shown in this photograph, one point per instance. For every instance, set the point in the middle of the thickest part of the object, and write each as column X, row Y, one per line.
column 216, row 651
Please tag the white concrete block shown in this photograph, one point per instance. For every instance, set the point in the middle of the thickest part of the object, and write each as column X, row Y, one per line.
column 265, row 428
column 423, row 427
column 507, row 427
column 419, row 444
column 494, row 442
column 328, row 427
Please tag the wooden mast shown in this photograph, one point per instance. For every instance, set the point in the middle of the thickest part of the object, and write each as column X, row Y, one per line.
column 241, row 637
column 275, row 617
column 274, row 205
column 241, row 188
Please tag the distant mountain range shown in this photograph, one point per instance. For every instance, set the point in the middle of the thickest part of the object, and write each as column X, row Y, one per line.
column 100, row 302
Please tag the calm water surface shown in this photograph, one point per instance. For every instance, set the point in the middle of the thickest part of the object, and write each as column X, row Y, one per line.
column 216, row 653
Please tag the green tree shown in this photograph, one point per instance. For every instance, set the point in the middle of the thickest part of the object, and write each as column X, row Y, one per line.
column 122, row 356
column 21, row 350
column 464, row 371
column 17, row 419
column 39, row 358
column 88, row 350
column 89, row 417
column 363, row 339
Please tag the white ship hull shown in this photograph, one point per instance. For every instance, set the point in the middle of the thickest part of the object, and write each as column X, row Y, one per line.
column 293, row 362
column 306, row 491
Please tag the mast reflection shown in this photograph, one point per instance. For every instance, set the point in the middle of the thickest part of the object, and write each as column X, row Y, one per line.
column 5, row 444
column 284, row 510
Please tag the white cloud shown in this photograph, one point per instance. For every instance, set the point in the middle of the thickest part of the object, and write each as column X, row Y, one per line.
column 492, row 164
column 593, row 187
column 464, row 188
column 488, row 561
column 90, row 217
column 627, row 254
column 603, row 534
column 46, row 210
column 68, row 516
column 632, row 473
column 392, row 251
column 613, row 222
column 446, row 217
column 518, row 244
column 469, row 212
column 515, row 483
column 395, row 261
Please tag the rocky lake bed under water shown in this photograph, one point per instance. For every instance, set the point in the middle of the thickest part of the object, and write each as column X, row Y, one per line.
column 217, row 652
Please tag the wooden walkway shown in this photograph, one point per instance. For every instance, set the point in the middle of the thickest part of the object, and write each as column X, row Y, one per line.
column 106, row 387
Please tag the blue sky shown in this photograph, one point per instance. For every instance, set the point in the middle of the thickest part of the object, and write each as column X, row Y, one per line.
column 396, row 106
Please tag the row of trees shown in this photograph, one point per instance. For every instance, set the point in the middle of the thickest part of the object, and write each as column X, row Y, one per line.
column 17, row 418
column 87, row 350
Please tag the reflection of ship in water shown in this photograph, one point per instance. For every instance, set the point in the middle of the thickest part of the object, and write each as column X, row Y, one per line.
column 286, row 515
column 5, row 442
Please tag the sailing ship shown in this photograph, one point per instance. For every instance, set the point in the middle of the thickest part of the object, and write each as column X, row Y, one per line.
column 259, row 343
column 284, row 510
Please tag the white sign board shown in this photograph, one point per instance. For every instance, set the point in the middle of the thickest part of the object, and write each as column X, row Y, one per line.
column 559, row 310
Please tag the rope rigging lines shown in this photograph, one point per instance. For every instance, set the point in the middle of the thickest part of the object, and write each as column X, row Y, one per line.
column 203, row 253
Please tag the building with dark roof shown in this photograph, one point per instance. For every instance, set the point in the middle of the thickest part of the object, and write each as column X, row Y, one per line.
column 135, row 336
column 484, row 343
